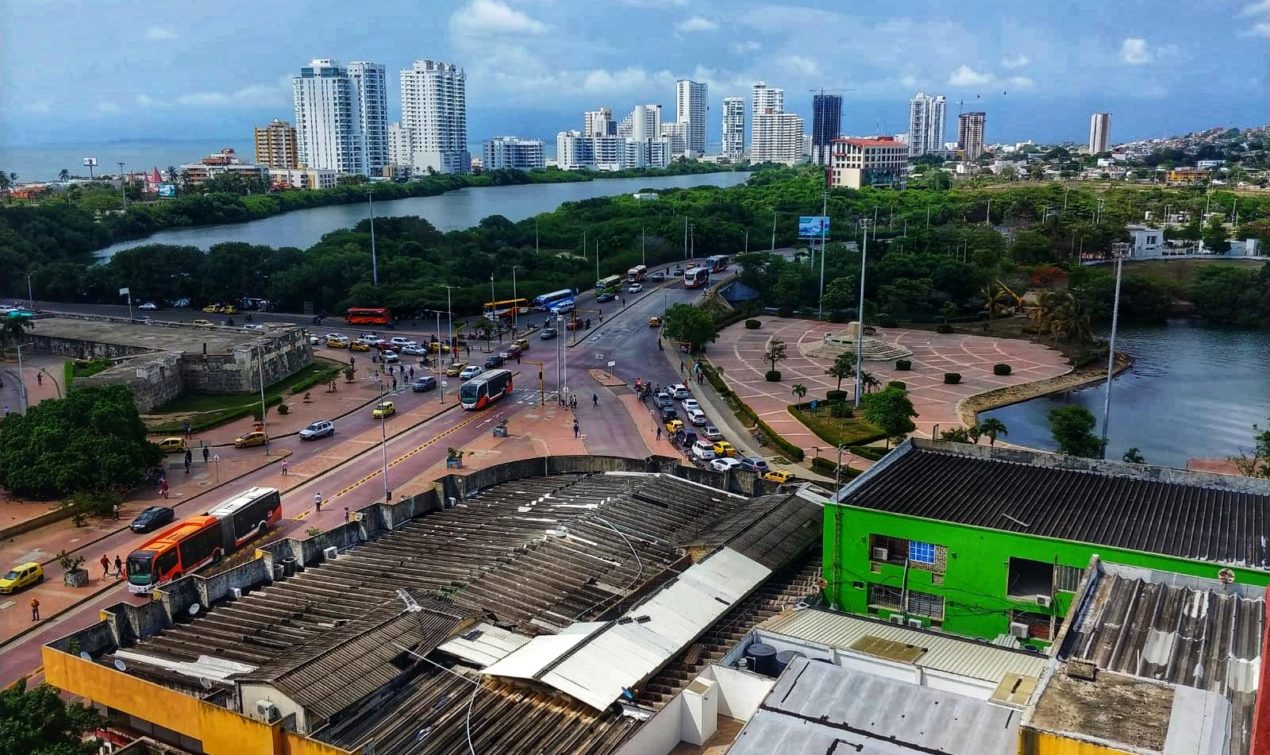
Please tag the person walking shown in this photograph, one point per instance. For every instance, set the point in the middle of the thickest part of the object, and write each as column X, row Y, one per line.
column 595, row 400
column 105, row 566
column 35, row 609
column 115, row 510
column 659, row 432
column 284, row 467
column 317, row 501
column 207, row 452
column 346, row 514
column 394, row 384
column 118, row 567
column 575, row 428
column 39, row 378
column 186, row 427
column 189, row 457
column 163, row 487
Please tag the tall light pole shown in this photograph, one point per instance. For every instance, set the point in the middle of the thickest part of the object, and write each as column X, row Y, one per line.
column 383, row 446
column 824, row 221
column 535, row 234
column 123, row 183
column 29, row 295
column 597, row 260
column 436, row 363
column 773, row 231
column 450, row 320
column 515, row 304
column 643, row 258
column 1111, row 358
column 374, row 261
column 22, row 378
column 859, row 336
column 264, row 420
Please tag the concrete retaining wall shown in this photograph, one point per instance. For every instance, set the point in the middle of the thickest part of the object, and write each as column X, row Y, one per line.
column 154, row 379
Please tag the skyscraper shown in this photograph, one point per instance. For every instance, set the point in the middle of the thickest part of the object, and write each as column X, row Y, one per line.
column 926, row 118
column 276, row 145
column 1099, row 129
column 599, row 123
column 690, row 109
column 764, row 99
column 778, row 138
column 644, row 122
column 970, row 134
column 328, row 118
column 434, row 109
column 398, row 145
column 372, row 102
column 733, row 127
column 510, row 152
column 826, row 125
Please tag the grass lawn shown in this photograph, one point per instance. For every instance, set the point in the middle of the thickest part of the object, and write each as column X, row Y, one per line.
column 203, row 411
column 850, row 430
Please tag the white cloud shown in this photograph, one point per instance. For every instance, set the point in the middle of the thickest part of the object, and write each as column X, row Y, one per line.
column 1135, row 51
column 160, row 34
column 1016, row 62
column 1020, row 82
column 1258, row 28
column 908, row 81
column 696, row 23
column 485, row 17
column 256, row 95
column 1261, row 29
column 965, row 76
column 797, row 64
column 628, row 80
column 742, row 48
column 1253, row 9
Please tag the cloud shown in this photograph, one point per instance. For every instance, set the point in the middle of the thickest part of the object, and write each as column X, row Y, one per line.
column 1135, row 51
column 1018, row 61
column 1258, row 28
column 696, row 23
column 797, row 64
column 485, row 17
column 1020, row 82
column 628, row 80
column 107, row 108
column 160, row 34
column 965, row 76
column 256, row 95
column 742, row 48
column 1253, row 9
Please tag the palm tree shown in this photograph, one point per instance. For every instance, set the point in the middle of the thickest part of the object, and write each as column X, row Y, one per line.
column 992, row 427
column 5, row 183
column 1070, row 319
column 64, row 175
column 172, row 174
column 800, row 391
column 993, row 298
column 1134, row 456
column 868, row 382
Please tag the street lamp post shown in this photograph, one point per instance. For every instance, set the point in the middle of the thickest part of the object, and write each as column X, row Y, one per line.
column 515, row 303
column 383, row 446
column 123, row 183
column 859, row 336
column 1111, row 357
column 29, row 295
column 824, row 219
column 374, row 260
column 643, row 258
column 22, row 378
column 264, row 421
column 449, row 309
column 436, row 363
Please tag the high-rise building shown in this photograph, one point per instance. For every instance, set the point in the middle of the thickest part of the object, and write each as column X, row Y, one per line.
column 372, row 103
column 576, row 151
column 871, row 161
column 970, row 134
column 778, row 138
column 398, row 145
column 512, row 153
column 764, row 99
column 926, row 120
column 1099, row 130
column 676, row 135
column 276, row 145
column 599, row 123
column 644, row 122
column 328, row 118
column 690, row 109
column 434, row 109
column 826, row 125
column 733, row 127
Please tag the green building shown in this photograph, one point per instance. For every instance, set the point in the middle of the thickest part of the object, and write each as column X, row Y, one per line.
column 991, row 543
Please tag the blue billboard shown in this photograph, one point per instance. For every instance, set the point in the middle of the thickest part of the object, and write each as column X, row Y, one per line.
column 813, row 226
column 167, row 190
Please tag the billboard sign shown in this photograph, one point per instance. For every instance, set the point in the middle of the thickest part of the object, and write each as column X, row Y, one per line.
column 167, row 190
column 813, row 226
column 90, row 162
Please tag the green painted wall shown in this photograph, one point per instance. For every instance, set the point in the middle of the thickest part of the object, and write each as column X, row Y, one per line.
column 976, row 575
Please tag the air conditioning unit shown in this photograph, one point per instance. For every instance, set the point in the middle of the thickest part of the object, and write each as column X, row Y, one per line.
column 1019, row 630
column 880, row 554
column 915, row 624
column 268, row 711
column 897, row 619
column 330, row 554
column 1044, row 601
column 237, row 591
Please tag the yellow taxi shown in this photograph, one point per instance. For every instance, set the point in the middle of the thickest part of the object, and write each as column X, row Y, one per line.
column 172, row 445
column 778, row 477
column 521, row 343
column 337, row 343
column 438, row 347
column 253, row 438
column 213, row 309
column 359, row 345
column 384, row 409
column 229, row 309
column 21, row 576
column 200, row 323
column 654, row 322
column 724, row 448
column 454, row 369
column 674, row 426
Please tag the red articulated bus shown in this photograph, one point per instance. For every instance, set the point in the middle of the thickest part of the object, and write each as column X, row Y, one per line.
column 485, row 389
column 368, row 316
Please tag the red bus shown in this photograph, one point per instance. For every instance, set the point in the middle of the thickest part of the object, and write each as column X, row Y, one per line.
column 174, row 553
column 247, row 514
column 696, row 277
column 485, row 389
column 368, row 316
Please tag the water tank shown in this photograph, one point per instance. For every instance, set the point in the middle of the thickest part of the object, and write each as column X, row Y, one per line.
column 784, row 658
column 763, row 658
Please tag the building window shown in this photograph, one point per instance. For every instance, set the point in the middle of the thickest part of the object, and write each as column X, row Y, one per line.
column 925, row 604
column 1028, row 578
column 892, row 550
column 885, row 596
column 921, row 553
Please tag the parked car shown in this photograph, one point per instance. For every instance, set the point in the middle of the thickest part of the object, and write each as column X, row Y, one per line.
column 172, row 445
column 697, row 417
column 635, row 288
column 471, row 371
column 383, row 409
column 710, row 432
column 415, row 351
column 680, row 391
column 703, row 450
column 201, row 323
column 454, row 369
column 664, row 400
column 20, row 577
column 253, row 438
column 777, row 476
column 674, row 425
column 724, row 448
column 547, row 334
column 152, row 518
column 668, row 413
column 390, row 357
column 359, row 345
column 149, row 306
column 320, row 429
column 182, row 303
column 725, row 464
column 654, row 322
column 423, row 383
column 754, row 464
column 494, row 361
column 689, row 404
column 143, row 319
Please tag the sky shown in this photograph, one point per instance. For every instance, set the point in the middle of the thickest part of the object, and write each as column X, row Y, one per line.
column 93, row 72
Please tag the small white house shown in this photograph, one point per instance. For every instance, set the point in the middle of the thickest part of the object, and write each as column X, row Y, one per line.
column 1146, row 241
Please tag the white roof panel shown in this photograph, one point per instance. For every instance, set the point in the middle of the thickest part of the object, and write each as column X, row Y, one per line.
column 489, row 647
column 532, row 657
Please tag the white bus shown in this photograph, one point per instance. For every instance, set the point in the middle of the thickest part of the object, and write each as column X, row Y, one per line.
column 485, row 389
column 637, row 274
column 718, row 263
column 696, row 277
column 547, row 301
column 247, row 514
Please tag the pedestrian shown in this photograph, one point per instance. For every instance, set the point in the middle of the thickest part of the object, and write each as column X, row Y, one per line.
column 206, row 453
column 317, row 501
column 186, row 425
column 659, row 432
column 681, row 366
column 595, row 400
column 346, row 516
column 6, row 410
column 187, row 463
column 284, row 467
column 105, row 566
column 575, row 428
column 115, row 510
column 394, row 384
column 518, row 357
column 35, row 609
column 118, row 567
column 412, row 373
column 163, row 487
column 39, row 378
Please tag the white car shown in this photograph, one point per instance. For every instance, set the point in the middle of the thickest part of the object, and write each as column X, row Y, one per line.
column 703, row 450
column 689, row 404
column 253, row 326
column 149, row 306
column 726, row 464
column 314, row 341
column 335, row 337
column 710, row 432
column 635, row 288
column 390, row 357
column 402, row 341
column 414, row 351
column 563, row 309
column 319, row 429
column 680, row 391
column 371, row 339
column 697, row 418
column 471, row 371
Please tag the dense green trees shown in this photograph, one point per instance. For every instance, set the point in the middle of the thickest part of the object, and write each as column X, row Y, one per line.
column 38, row 722
column 92, row 440
column 684, row 322
column 1073, row 430
column 891, row 411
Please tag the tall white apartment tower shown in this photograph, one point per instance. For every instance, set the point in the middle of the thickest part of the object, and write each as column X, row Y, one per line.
column 328, row 118
column 764, row 99
column 926, row 122
column 372, row 101
column 434, row 109
column 644, row 122
column 733, row 127
column 1099, row 129
column 690, row 109
column 599, row 123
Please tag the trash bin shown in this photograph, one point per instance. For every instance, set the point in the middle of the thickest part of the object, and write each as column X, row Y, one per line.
column 288, row 566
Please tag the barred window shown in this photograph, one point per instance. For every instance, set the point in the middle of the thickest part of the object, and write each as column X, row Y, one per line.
column 925, row 604
column 885, row 596
column 1067, row 578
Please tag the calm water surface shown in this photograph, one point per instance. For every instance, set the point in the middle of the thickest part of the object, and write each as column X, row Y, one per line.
column 450, row 211
column 1193, row 392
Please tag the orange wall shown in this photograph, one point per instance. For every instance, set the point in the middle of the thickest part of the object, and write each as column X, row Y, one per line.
column 1035, row 742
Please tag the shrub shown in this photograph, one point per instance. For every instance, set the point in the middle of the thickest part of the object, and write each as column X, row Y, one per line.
column 1001, row 369
column 785, row 312
column 898, row 384
column 887, row 321
column 753, row 324
column 952, row 378
column 841, row 410
column 832, row 396
column 283, row 408
column 944, row 328
column 903, row 365
column 772, row 376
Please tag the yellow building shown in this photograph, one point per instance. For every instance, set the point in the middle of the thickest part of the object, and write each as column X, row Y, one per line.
column 276, row 145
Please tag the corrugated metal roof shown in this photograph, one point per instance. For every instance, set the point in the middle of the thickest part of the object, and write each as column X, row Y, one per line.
column 484, row 644
column 530, row 659
column 819, row 708
column 946, row 653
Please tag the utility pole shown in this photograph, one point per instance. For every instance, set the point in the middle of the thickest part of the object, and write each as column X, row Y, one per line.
column 264, row 410
column 535, row 234
column 747, row 240
column 1111, row 358
column 685, row 237
column 824, row 222
column 987, row 218
column 374, row 261
column 773, row 231
column 450, row 320
column 859, row 336
column 597, row 260
column 123, row 184
column 436, row 363
column 643, row 258
column 515, row 304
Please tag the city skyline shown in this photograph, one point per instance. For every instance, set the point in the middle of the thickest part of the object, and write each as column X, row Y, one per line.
column 1039, row 79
